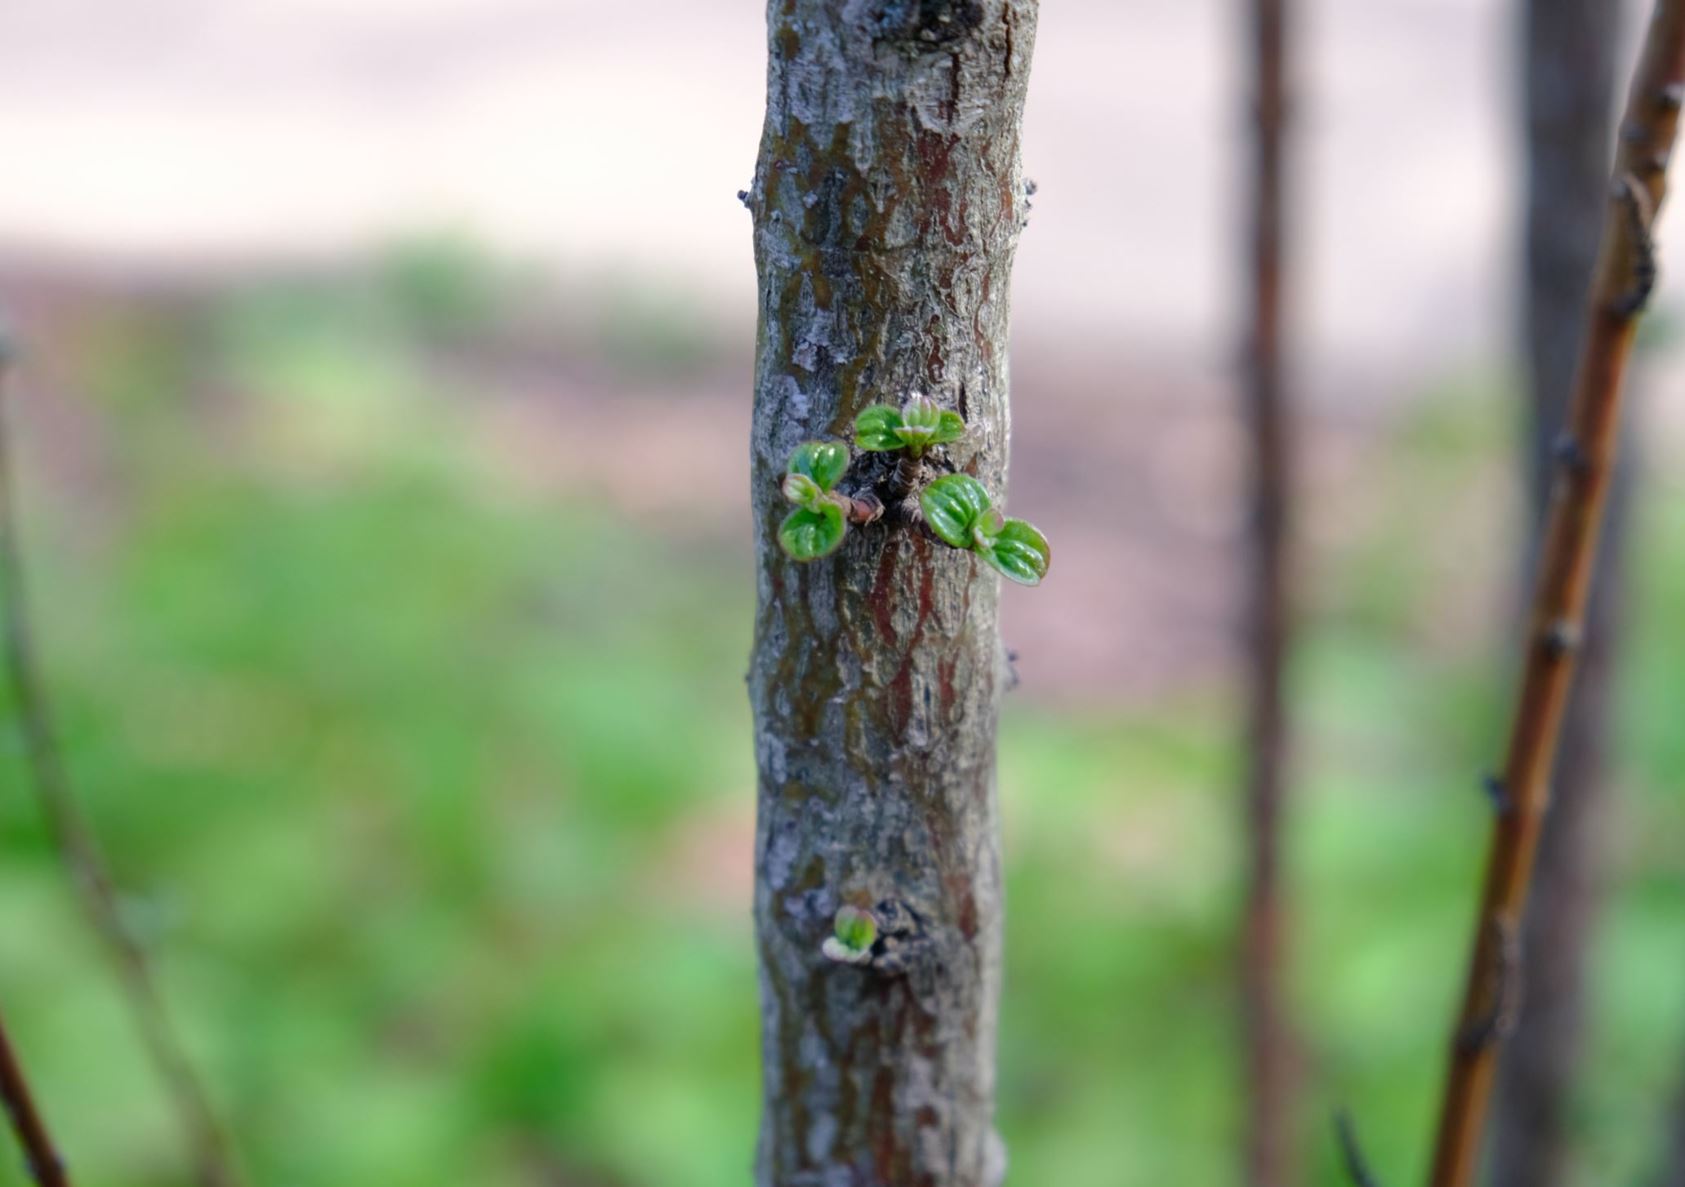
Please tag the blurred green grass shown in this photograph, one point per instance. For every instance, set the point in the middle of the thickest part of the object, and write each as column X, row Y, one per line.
column 433, row 792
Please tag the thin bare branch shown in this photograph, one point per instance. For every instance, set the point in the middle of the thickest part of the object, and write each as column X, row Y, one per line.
column 80, row 852
column 1351, row 1152
column 1585, row 466
column 1268, row 1039
column 39, row 1153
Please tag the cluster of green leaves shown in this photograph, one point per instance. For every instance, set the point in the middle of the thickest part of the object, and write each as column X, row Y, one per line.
column 915, row 426
column 956, row 506
column 817, row 526
column 958, row 509
column 852, row 935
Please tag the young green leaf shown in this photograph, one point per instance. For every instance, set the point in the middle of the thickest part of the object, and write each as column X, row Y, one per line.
column 915, row 426
column 921, row 414
column 952, row 506
column 856, row 928
column 878, row 429
column 853, row 934
column 950, row 426
column 824, row 462
column 922, row 424
column 809, row 533
column 802, row 490
column 1019, row 551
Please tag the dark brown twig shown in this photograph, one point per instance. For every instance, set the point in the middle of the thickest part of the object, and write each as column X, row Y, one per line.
column 1267, row 1034
column 39, row 1153
column 1580, row 494
column 79, row 850
column 1351, row 1152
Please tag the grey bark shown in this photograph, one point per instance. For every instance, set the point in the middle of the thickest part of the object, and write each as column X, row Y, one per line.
column 1569, row 90
column 887, row 204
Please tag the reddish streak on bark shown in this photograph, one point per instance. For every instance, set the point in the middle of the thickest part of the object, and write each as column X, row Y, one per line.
column 935, row 154
column 1563, row 582
column 883, row 595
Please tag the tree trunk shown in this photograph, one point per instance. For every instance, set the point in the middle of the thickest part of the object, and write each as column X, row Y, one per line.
column 887, row 203
column 1569, row 92
column 1268, row 1048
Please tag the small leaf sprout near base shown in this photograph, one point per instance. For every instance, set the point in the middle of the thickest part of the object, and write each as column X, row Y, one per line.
column 853, row 933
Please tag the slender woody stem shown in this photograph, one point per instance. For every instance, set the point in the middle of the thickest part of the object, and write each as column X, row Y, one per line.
column 1267, row 1035
column 1351, row 1152
column 80, row 852
column 906, row 477
column 41, row 1156
column 1625, row 273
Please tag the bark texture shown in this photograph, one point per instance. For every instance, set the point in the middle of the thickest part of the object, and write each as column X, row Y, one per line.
column 1267, row 1040
column 1584, row 458
column 1568, row 84
column 887, row 204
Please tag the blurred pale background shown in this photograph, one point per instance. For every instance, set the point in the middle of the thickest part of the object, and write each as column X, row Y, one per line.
column 382, row 430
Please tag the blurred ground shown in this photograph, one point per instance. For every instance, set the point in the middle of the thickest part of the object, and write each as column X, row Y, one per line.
column 395, row 583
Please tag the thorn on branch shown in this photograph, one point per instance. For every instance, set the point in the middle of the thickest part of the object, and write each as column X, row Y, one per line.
column 1561, row 638
column 1568, row 453
column 1351, row 1152
column 1497, row 792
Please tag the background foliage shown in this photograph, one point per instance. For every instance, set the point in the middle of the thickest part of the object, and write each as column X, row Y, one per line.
column 427, row 769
